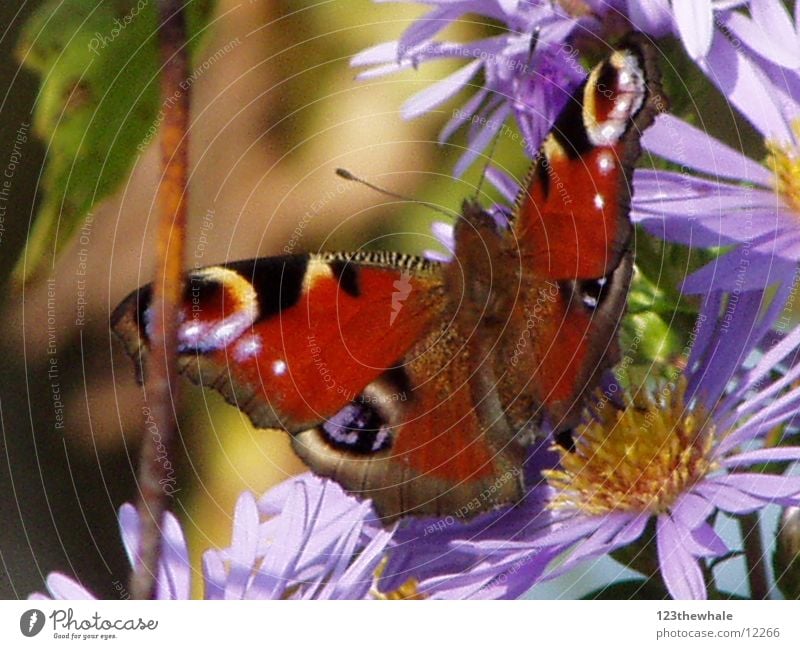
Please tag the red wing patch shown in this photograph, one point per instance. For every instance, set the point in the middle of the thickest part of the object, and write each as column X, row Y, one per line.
column 574, row 226
column 436, row 457
column 291, row 340
column 573, row 219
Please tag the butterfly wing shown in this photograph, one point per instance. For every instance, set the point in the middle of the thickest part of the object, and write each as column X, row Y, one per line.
column 352, row 354
column 573, row 218
column 290, row 339
column 573, row 231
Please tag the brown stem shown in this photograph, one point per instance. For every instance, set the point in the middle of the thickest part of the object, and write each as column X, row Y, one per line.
column 754, row 556
column 155, row 468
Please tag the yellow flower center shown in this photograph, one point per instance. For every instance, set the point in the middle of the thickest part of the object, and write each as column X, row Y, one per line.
column 784, row 162
column 637, row 460
column 407, row 590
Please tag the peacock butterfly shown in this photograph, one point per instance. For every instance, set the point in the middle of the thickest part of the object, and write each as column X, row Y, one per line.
column 419, row 384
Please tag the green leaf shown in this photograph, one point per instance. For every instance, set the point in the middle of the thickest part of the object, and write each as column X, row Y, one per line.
column 665, row 266
column 99, row 97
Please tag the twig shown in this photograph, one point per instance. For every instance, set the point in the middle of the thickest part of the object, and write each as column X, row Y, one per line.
column 754, row 555
column 166, row 297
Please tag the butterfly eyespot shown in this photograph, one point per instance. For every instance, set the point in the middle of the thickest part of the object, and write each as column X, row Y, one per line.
column 592, row 292
column 221, row 306
column 358, row 428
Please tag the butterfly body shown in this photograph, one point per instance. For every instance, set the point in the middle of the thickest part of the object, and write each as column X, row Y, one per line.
column 420, row 384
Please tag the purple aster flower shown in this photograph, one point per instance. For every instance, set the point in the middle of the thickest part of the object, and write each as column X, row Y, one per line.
column 669, row 462
column 722, row 198
column 439, row 557
column 174, row 570
column 767, row 31
column 529, row 71
column 530, row 85
column 317, row 544
column 696, row 22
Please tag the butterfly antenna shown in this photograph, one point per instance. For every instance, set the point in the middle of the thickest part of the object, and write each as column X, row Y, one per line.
column 344, row 173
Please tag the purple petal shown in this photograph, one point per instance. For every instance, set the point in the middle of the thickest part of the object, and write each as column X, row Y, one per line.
column 770, row 360
column 695, row 21
column 682, row 576
column 729, row 350
column 727, row 498
column 444, row 234
column 509, row 7
column 691, row 511
column 700, row 212
column 479, row 144
column 610, row 532
column 62, row 587
column 174, row 575
column 359, row 574
column 601, row 541
column 380, row 54
column 632, row 530
column 572, row 530
column 388, row 52
column 478, row 583
column 659, row 186
column 765, row 486
column 764, row 333
column 739, row 270
column 440, row 91
column 722, row 224
column 776, row 413
column 330, row 515
column 675, row 140
column 511, row 577
column 214, row 575
column 383, row 70
column 463, row 115
column 437, row 255
column 770, row 33
column 504, row 183
column 704, row 329
column 425, row 28
column 777, row 454
column 746, row 87
column 783, row 244
column 707, row 542
column 341, row 556
column 482, row 119
column 653, row 17
column 129, row 531
column 244, row 543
